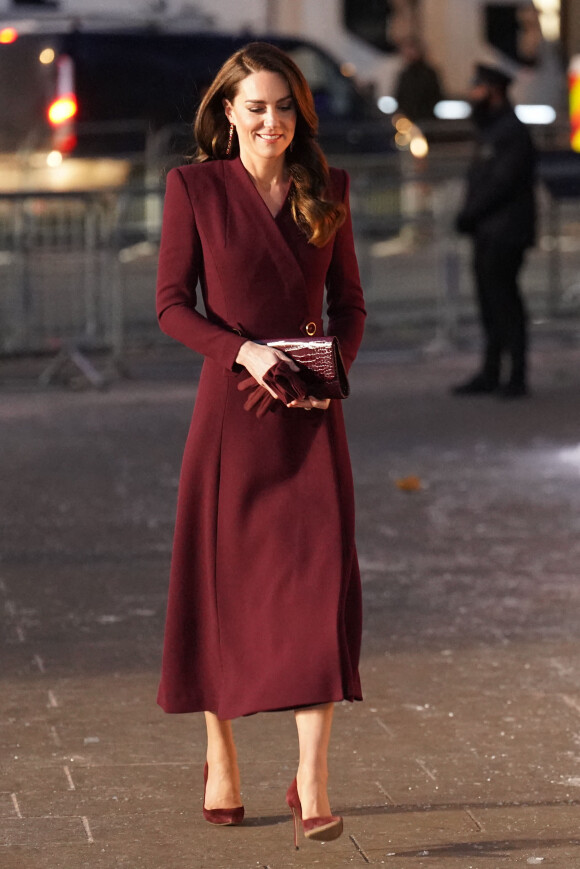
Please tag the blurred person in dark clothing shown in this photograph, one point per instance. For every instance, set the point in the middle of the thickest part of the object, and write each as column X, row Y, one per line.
column 499, row 213
column 418, row 88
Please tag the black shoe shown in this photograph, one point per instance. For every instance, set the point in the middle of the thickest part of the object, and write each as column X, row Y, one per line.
column 513, row 390
column 478, row 385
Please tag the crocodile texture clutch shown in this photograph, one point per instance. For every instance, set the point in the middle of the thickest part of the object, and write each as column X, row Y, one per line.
column 320, row 363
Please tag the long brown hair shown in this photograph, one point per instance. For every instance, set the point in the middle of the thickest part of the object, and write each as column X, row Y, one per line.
column 317, row 216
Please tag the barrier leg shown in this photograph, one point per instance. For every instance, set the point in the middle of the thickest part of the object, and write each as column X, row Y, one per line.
column 74, row 356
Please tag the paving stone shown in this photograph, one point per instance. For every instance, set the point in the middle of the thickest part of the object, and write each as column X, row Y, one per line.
column 465, row 752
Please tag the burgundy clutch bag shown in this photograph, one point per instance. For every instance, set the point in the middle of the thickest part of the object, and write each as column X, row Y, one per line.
column 320, row 363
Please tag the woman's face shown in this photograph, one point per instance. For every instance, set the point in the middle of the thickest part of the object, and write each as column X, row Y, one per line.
column 264, row 115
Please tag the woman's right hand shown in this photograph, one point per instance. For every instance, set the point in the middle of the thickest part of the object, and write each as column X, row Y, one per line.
column 259, row 358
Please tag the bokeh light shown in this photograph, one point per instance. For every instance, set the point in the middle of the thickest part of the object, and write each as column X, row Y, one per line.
column 46, row 56
column 8, row 35
column 387, row 104
column 419, row 147
column 54, row 159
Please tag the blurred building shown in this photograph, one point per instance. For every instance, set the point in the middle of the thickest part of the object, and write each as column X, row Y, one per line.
column 364, row 34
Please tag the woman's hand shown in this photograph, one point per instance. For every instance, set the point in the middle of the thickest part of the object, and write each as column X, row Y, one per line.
column 310, row 402
column 259, row 358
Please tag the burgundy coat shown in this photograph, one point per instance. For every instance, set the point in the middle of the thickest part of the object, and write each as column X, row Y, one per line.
column 264, row 606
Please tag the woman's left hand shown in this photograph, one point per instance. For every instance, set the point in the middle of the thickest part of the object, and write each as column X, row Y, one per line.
column 310, row 402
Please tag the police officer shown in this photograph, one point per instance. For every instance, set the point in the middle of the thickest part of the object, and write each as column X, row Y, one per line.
column 499, row 213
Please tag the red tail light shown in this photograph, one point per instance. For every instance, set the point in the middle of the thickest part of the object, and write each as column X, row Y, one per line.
column 62, row 109
column 8, row 35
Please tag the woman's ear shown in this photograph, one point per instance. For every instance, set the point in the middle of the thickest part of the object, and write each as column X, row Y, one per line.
column 228, row 110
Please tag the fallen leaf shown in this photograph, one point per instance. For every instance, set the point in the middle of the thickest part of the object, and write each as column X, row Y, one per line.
column 409, row 484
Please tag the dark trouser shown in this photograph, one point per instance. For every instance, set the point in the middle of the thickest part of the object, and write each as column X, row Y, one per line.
column 501, row 307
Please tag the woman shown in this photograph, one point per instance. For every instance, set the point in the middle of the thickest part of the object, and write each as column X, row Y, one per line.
column 264, row 605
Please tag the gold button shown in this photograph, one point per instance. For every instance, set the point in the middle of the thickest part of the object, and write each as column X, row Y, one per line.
column 311, row 328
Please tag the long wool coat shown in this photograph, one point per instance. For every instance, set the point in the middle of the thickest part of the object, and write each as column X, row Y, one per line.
column 264, row 608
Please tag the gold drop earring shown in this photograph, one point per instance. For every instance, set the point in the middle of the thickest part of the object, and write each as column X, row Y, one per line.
column 231, row 136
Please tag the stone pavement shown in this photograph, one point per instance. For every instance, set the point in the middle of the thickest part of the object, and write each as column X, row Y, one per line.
column 466, row 751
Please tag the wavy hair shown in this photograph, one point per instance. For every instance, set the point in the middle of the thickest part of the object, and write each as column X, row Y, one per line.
column 313, row 212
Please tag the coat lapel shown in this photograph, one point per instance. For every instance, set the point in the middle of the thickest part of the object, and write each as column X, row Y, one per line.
column 262, row 231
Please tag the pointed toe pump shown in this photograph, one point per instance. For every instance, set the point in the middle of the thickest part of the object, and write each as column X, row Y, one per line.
column 221, row 817
column 323, row 829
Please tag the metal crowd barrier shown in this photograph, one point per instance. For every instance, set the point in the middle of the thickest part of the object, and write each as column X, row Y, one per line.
column 417, row 272
column 77, row 270
column 62, row 257
column 56, row 291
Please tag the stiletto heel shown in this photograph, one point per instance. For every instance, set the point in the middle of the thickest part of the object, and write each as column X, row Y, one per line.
column 323, row 829
column 223, row 817
column 295, row 821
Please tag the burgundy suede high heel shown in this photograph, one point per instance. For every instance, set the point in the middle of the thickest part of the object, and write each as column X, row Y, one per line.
column 223, row 817
column 320, row 829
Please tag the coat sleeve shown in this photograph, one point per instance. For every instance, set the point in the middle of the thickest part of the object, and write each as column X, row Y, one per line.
column 344, row 296
column 511, row 167
column 180, row 265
